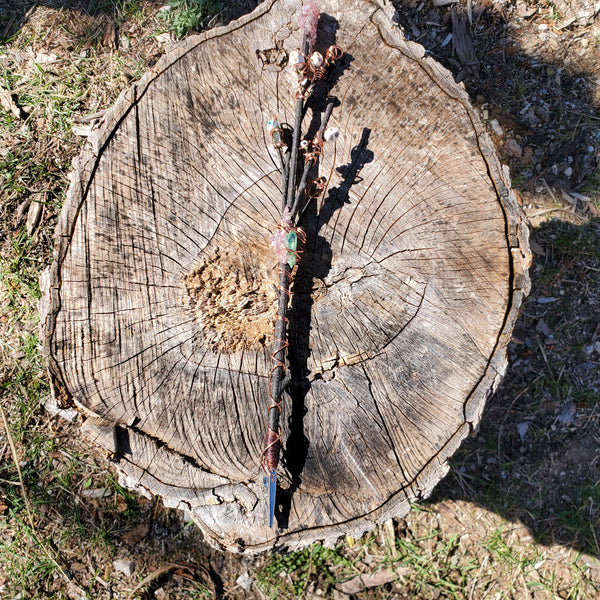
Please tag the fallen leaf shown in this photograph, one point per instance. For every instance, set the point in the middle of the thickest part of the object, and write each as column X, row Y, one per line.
column 45, row 58
column 369, row 580
column 389, row 536
column 33, row 216
column 543, row 328
column 163, row 38
column 522, row 429
column 127, row 567
column 9, row 105
column 133, row 536
column 567, row 415
column 109, row 35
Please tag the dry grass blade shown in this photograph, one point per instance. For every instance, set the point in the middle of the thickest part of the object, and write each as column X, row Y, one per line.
column 161, row 571
column 34, row 533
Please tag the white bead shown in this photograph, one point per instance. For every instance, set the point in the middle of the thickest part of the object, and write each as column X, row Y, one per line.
column 272, row 124
column 331, row 134
column 316, row 59
column 295, row 58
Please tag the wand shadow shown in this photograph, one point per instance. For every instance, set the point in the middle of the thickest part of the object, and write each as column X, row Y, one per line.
column 312, row 270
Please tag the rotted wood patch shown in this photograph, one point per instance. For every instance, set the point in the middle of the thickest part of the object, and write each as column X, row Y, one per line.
column 232, row 302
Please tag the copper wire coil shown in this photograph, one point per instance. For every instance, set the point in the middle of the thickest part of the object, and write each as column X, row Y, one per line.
column 333, row 53
column 319, row 72
column 302, row 68
column 270, row 455
column 277, row 138
column 302, row 93
column 316, row 148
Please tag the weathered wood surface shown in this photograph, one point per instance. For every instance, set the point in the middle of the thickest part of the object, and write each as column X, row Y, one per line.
column 157, row 309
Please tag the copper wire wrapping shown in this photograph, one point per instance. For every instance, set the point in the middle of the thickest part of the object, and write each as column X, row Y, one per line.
column 316, row 147
column 272, row 444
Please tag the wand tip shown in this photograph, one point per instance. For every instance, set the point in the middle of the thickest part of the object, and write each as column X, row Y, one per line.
column 309, row 20
column 271, row 485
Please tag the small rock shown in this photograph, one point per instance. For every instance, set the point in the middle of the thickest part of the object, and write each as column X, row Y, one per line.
column 546, row 300
column 542, row 27
column 531, row 118
column 568, row 172
column 522, row 429
column 163, row 38
column 244, row 581
column 127, row 567
column 542, row 113
column 597, row 346
column 496, row 127
column 567, row 415
column 513, row 148
column 96, row 493
column 543, row 328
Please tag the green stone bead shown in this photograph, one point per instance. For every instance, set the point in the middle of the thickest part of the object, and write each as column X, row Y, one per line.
column 291, row 243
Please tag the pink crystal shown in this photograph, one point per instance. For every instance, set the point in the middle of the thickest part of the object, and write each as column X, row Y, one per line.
column 278, row 243
column 309, row 19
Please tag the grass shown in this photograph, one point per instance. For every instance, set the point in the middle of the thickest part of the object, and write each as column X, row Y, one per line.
column 48, row 512
column 429, row 561
column 185, row 16
column 289, row 575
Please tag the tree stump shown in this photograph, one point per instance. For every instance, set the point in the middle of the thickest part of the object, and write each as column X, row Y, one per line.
column 158, row 309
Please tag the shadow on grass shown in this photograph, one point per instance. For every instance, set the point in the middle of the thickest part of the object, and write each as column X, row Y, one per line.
column 536, row 456
column 15, row 13
column 537, row 87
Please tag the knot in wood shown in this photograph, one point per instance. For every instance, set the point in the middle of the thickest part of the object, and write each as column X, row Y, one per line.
column 232, row 302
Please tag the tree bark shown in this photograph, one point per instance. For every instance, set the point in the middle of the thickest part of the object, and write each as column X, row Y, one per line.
column 157, row 311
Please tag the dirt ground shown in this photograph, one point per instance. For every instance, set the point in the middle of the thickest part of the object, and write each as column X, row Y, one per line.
column 519, row 514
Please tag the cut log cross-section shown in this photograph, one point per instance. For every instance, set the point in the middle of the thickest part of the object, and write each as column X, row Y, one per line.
column 157, row 313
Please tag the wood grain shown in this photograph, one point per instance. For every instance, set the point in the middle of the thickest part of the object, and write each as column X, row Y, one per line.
column 403, row 302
